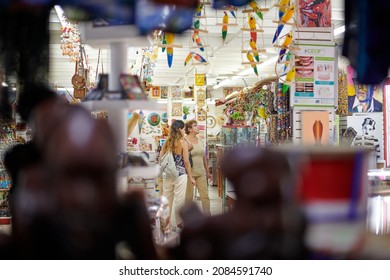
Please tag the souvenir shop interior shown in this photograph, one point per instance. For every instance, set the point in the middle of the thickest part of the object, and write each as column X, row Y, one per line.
column 279, row 75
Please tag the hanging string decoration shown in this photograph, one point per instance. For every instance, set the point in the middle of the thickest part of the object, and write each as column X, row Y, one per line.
column 70, row 40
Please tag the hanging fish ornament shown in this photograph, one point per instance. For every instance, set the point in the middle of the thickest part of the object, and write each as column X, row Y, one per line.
column 286, row 17
column 253, row 46
column 252, row 27
column 289, row 77
column 249, row 56
column 169, row 37
column 256, row 7
column 287, row 41
column 194, row 55
column 225, row 21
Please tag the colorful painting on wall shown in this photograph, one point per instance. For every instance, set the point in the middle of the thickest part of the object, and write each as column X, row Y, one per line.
column 156, row 93
column 189, row 94
column 177, row 110
column 164, row 92
column 315, row 127
column 363, row 98
column 176, row 93
column 314, row 13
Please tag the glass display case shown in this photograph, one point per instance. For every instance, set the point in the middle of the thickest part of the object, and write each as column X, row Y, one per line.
column 232, row 136
column 238, row 135
column 378, row 212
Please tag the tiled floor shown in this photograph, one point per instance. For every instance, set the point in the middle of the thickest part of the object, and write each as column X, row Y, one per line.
column 215, row 201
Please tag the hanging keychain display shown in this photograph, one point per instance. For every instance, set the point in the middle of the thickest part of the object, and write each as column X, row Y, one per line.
column 79, row 81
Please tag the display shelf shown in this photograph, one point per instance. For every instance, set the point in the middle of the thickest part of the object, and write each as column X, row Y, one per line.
column 107, row 104
column 140, row 171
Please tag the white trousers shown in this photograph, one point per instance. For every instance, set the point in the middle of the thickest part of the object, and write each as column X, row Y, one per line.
column 175, row 191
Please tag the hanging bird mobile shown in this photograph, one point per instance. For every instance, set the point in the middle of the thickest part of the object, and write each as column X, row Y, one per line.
column 283, row 4
column 164, row 42
column 198, row 10
column 288, row 58
column 225, row 22
column 251, row 59
column 256, row 8
column 252, row 27
column 286, row 43
column 196, row 39
column 195, row 56
column 286, row 17
column 289, row 78
column 255, row 52
column 169, row 37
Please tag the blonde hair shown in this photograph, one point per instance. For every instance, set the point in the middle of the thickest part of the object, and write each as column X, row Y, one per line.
column 174, row 136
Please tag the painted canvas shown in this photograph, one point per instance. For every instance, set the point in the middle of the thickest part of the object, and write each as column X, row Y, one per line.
column 155, row 92
column 177, row 110
column 315, row 127
column 363, row 98
column 164, row 92
column 314, row 13
column 175, row 92
column 368, row 131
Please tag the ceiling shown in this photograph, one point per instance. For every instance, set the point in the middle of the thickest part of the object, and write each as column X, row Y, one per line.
column 224, row 59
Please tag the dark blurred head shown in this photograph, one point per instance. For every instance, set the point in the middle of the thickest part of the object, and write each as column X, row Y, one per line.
column 81, row 160
column 43, row 109
column 31, row 97
column 18, row 157
column 257, row 174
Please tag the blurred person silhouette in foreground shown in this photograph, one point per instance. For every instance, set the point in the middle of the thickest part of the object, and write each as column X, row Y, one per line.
column 82, row 216
column 261, row 225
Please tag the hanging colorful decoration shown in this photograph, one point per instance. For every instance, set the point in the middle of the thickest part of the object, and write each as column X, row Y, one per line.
column 225, row 22
column 169, row 38
column 283, row 20
column 196, row 56
column 70, row 40
column 256, row 9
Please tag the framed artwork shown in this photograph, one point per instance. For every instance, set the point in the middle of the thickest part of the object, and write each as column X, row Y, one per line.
column 189, row 94
column 164, row 92
column 177, row 110
column 363, row 98
column 201, row 115
column 368, row 132
column 315, row 127
column 156, row 92
column 200, row 98
column 175, row 92
column 200, row 79
column 314, row 14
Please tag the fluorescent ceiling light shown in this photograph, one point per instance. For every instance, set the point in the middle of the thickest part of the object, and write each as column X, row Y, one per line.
column 4, row 84
column 339, row 30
